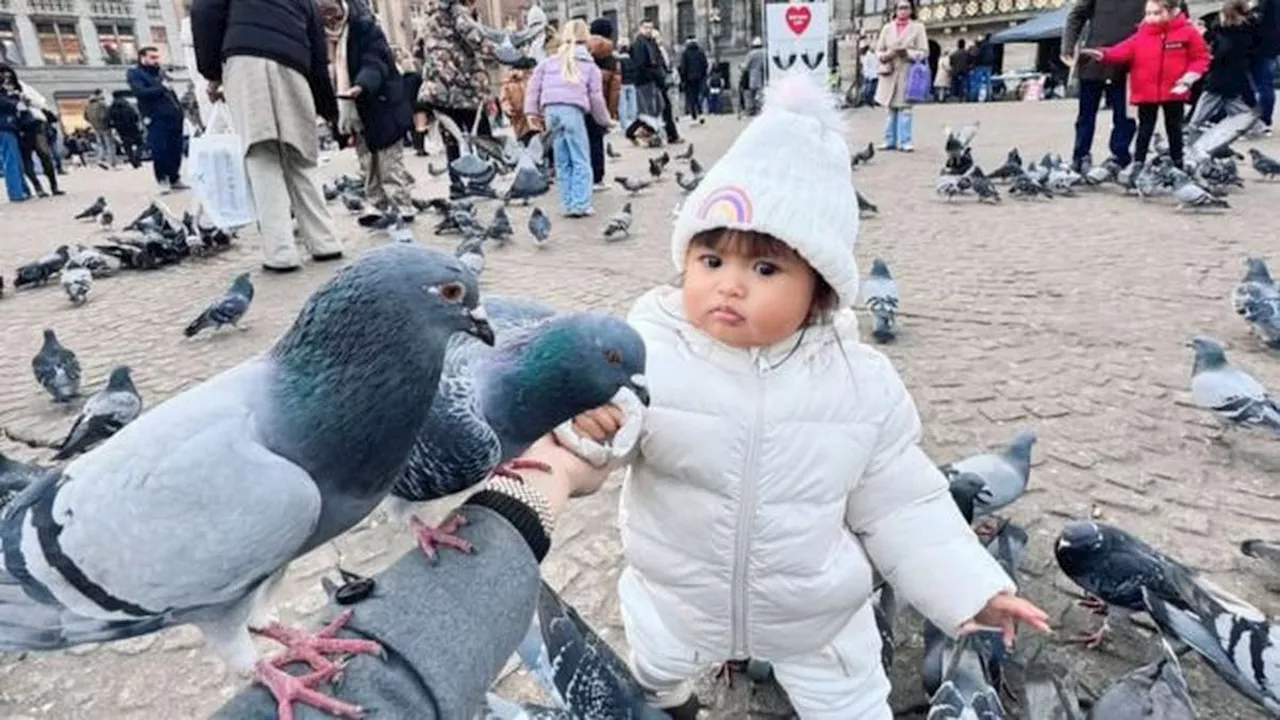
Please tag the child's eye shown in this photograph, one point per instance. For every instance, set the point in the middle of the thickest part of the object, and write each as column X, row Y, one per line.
column 711, row 261
column 766, row 268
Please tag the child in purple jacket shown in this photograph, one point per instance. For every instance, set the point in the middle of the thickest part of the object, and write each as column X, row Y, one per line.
column 562, row 90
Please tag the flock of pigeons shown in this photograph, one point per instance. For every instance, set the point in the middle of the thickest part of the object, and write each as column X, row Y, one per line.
column 1209, row 173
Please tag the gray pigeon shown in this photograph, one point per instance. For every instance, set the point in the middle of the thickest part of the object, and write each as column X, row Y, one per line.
column 1026, row 187
column 1005, row 473
column 619, row 225
column 1256, row 282
column 1049, row 694
column 880, row 294
column 56, row 368
column 539, row 227
column 226, row 310
column 1190, row 195
column 689, row 185
column 493, row 404
column 865, row 205
column 982, row 186
column 949, row 186
column 1265, row 550
column 632, row 186
column 499, row 229
column 529, row 180
column 1152, row 692
column 77, row 281
column 1235, row 638
column 470, row 252
column 1232, row 394
column 966, row 691
column 1267, row 167
column 1011, row 168
column 93, row 210
column 192, row 512
column 576, row 668
column 102, row 416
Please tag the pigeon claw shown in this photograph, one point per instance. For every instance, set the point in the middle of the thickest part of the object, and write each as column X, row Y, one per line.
column 1092, row 640
column 310, row 648
column 288, row 689
column 429, row 538
column 1094, row 603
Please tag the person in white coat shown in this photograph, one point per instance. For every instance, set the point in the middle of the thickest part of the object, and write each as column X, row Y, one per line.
column 778, row 462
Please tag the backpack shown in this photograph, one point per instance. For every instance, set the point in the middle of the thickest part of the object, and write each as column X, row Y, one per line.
column 918, row 81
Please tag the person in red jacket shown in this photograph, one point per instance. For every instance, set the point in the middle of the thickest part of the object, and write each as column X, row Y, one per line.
column 1165, row 56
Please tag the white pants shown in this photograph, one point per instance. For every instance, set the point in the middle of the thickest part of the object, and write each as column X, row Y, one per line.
column 282, row 180
column 841, row 681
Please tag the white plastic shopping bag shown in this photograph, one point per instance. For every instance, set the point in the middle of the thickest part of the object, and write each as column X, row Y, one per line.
column 216, row 162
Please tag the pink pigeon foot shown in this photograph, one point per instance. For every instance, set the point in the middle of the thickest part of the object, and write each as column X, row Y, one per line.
column 310, row 648
column 288, row 689
column 1092, row 640
column 1094, row 603
column 431, row 537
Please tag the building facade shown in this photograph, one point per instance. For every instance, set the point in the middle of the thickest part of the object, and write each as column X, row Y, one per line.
column 66, row 49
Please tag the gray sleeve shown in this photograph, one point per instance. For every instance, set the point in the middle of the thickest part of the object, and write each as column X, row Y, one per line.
column 447, row 629
column 1080, row 13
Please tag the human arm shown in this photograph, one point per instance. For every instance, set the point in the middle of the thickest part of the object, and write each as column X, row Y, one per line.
column 208, row 25
column 142, row 86
column 448, row 626
column 595, row 97
column 917, row 42
column 1080, row 13
column 533, row 90
column 1119, row 54
column 321, row 84
column 376, row 63
column 909, row 525
column 883, row 52
column 468, row 29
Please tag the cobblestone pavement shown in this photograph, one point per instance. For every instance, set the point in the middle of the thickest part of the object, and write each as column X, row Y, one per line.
column 1069, row 317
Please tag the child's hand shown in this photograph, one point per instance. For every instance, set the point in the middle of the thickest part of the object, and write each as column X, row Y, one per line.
column 601, row 423
column 1005, row 611
column 535, row 122
column 1094, row 53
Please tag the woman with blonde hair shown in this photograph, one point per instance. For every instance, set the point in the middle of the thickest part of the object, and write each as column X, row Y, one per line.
column 562, row 90
column 1233, row 41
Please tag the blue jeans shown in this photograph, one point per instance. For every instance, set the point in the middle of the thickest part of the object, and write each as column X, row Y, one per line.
column 979, row 84
column 628, row 108
column 11, row 162
column 1122, row 126
column 570, row 149
column 897, row 128
column 1263, row 73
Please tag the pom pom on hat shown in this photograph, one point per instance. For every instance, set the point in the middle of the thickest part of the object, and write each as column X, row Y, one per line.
column 787, row 175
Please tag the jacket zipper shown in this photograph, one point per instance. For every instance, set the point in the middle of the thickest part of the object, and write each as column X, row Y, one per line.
column 746, row 513
column 1164, row 40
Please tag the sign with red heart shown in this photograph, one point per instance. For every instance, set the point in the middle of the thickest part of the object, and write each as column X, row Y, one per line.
column 798, row 17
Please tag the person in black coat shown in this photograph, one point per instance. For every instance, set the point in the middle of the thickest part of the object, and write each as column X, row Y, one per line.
column 1233, row 43
column 693, row 77
column 127, row 124
column 1262, row 69
column 373, row 109
column 163, row 115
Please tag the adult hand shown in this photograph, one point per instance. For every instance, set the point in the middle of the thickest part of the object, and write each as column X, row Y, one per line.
column 351, row 94
column 1005, row 611
column 1067, row 59
column 1093, row 53
column 214, row 91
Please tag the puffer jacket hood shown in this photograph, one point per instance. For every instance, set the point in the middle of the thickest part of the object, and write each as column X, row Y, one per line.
column 766, row 484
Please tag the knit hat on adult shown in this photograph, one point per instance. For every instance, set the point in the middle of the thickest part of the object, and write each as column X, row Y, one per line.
column 787, row 175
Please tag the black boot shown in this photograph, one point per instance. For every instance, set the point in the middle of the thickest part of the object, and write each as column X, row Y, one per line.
column 420, row 143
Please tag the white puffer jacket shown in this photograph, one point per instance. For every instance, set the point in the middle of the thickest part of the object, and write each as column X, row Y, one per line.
column 768, row 482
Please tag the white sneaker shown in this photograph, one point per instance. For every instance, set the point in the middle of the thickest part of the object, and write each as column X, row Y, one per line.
column 600, row 187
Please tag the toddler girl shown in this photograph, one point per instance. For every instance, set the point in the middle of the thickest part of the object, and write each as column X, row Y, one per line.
column 563, row 89
column 778, row 460
column 1165, row 57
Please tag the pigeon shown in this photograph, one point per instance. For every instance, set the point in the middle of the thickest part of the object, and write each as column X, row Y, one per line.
column 695, row 167
column 1267, row 550
column 1114, row 567
column 539, row 227
column 507, row 42
column 1263, row 316
column 956, row 144
column 56, row 369
column 470, row 252
column 492, row 404
column 461, row 220
column 43, row 269
column 949, row 186
column 1267, row 167
column 880, row 295
column 1005, row 473
column 192, row 512
column 76, row 283
column 1256, row 283
column 226, row 310
column 1011, row 168
column 619, row 225
column 655, row 168
column 93, row 210
column 608, row 150
column 102, row 416
column 1190, row 195
column 966, row 688
column 863, row 156
column 983, row 187
column 15, row 476
column 1152, row 692
column 107, row 218
column 468, row 166
column 686, row 155
column 865, row 205
column 529, row 181
column 1049, row 694
column 1107, row 172
column 632, row 186
column 499, row 228
column 353, row 204
column 329, row 190
column 576, row 668
column 434, row 172
column 965, row 488
column 1128, row 177
column 1235, row 398
column 689, row 185
column 1235, row 638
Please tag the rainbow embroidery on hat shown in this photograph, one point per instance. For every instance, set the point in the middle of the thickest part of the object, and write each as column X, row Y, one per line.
column 728, row 204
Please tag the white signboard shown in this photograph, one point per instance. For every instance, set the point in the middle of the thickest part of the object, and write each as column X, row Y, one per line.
column 796, row 37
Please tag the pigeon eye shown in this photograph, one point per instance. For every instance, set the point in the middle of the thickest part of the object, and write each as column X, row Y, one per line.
column 453, row 292
column 613, row 357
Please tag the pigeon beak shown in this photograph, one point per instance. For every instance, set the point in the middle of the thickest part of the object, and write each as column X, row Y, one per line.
column 639, row 384
column 480, row 327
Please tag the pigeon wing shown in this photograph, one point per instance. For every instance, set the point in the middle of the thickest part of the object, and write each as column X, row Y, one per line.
column 1003, row 481
column 455, row 449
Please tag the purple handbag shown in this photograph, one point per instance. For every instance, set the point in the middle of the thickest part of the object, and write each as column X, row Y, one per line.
column 918, row 81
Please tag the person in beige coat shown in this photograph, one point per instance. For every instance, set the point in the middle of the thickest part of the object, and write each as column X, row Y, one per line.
column 268, row 59
column 901, row 42
column 942, row 78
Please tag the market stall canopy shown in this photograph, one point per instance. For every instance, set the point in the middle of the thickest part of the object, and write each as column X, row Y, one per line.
column 1045, row 26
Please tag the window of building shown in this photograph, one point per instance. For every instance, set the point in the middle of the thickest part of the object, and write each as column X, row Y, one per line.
column 726, row 19
column 872, row 8
column 59, row 43
column 651, row 14
column 155, row 11
column 71, row 111
column 612, row 17
column 119, row 46
column 685, row 27
column 160, row 39
column 10, row 47
column 755, row 24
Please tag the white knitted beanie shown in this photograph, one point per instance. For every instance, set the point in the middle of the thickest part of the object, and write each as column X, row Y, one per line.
column 787, row 175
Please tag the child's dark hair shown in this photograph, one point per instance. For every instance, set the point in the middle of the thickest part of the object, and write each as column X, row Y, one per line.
column 756, row 244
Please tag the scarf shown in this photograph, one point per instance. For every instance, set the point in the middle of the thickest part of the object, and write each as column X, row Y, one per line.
column 901, row 24
column 348, row 117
